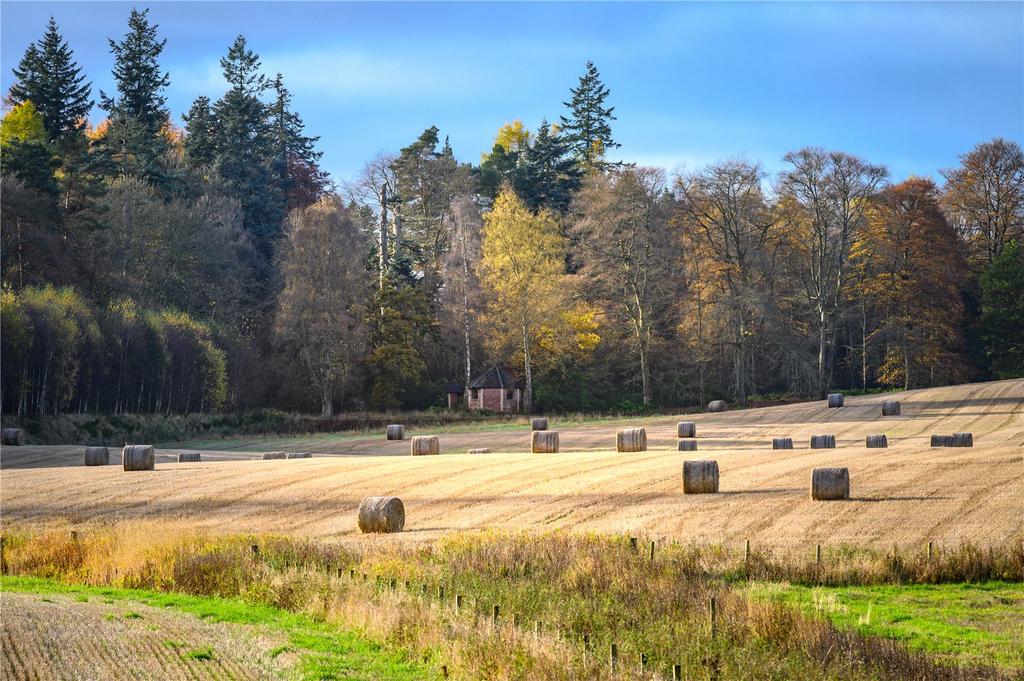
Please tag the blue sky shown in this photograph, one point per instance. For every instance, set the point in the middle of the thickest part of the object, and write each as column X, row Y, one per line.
column 908, row 85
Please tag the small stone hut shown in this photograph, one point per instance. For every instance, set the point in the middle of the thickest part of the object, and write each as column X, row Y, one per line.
column 495, row 390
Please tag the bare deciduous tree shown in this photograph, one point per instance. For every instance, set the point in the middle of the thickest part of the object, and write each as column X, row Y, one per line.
column 628, row 252
column 728, row 231
column 321, row 308
column 823, row 199
column 984, row 198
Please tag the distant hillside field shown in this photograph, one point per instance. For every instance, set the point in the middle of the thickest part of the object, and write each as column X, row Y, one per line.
column 906, row 494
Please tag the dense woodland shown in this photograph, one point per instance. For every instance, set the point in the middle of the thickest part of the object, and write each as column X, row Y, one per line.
column 149, row 267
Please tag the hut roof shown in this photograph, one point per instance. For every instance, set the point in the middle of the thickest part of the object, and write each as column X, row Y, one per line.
column 454, row 389
column 495, row 377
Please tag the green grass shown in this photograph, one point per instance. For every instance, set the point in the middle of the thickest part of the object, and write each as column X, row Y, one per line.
column 324, row 651
column 965, row 623
column 202, row 653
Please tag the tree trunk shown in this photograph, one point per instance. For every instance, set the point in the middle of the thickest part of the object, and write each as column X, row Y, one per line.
column 465, row 316
column 383, row 260
column 906, row 368
column 528, row 392
column 468, row 347
column 863, row 346
column 822, row 343
column 326, row 399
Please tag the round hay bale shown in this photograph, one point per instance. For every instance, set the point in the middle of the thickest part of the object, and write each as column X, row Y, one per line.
column 830, row 483
column 138, row 457
column 479, row 450
column 273, row 455
column 686, row 429
column 544, row 442
column 891, row 408
column 539, row 424
column 631, row 440
column 942, row 440
column 424, row 445
column 717, row 405
column 687, row 446
column 97, row 456
column 299, row 455
column 835, row 400
column 189, row 457
column 381, row 514
column 877, row 442
column 12, row 437
column 782, row 443
column 823, row 442
column 962, row 440
column 700, row 477
column 396, row 431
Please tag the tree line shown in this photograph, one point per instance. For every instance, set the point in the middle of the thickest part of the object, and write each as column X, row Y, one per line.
column 152, row 267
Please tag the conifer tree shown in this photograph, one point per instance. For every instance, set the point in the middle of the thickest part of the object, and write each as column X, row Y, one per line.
column 552, row 175
column 199, row 142
column 139, row 78
column 1002, row 312
column 588, row 125
column 49, row 77
column 245, row 146
column 295, row 156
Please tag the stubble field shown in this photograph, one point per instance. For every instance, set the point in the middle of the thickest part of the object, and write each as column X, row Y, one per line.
column 903, row 495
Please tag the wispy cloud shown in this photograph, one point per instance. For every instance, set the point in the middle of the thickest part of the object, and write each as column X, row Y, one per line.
column 350, row 74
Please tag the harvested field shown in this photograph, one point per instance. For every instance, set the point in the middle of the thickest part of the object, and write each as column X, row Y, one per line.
column 59, row 637
column 906, row 494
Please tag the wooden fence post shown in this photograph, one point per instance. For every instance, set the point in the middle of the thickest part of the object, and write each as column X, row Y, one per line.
column 494, row 615
column 652, row 551
column 458, row 601
column 643, row 663
column 633, row 544
column 817, row 554
column 613, row 658
column 746, row 551
column 440, row 592
column 929, row 551
column 677, row 672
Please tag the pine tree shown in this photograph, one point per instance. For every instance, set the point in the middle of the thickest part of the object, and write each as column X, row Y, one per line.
column 199, row 148
column 49, row 77
column 245, row 146
column 1002, row 312
column 139, row 78
column 295, row 156
column 551, row 174
column 426, row 183
column 588, row 126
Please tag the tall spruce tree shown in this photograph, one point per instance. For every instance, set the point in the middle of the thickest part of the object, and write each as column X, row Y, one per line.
column 551, row 173
column 199, row 142
column 245, row 147
column 137, row 73
column 49, row 77
column 134, row 142
column 588, row 125
column 295, row 161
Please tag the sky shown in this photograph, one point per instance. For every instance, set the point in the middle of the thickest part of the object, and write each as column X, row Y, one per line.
column 908, row 85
